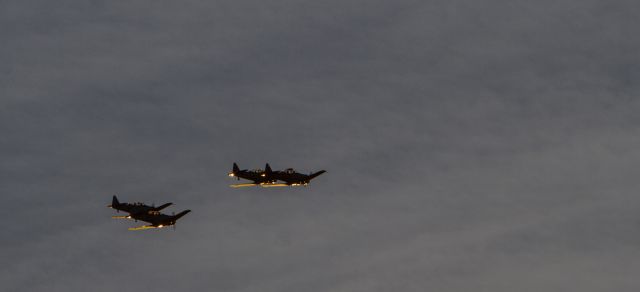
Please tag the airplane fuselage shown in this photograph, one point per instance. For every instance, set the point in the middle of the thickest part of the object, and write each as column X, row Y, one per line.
column 294, row 178
column 257, row 176
column 158, row 219
column 137, row 208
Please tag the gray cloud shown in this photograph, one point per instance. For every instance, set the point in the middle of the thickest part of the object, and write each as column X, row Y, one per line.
column 487, row 146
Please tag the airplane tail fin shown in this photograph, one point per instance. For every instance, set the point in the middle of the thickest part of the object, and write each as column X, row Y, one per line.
column 235, row 171
column 114, row 202
column 267, row 169
column 177, row 216
column 313, row 175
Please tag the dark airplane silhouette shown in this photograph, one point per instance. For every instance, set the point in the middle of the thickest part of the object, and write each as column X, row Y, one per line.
column 258, row 176
column 134, row 208
column 292, row 178
column 157, row 219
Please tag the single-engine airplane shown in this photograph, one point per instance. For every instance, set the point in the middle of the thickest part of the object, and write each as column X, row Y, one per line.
column 157, row 219
column 292, row 178
column 258, row 176
column 134, row 208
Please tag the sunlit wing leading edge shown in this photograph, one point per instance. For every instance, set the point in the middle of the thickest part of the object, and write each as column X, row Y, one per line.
column 273, row 185
column 242, row 185
column 142, row 227
column 121, row 217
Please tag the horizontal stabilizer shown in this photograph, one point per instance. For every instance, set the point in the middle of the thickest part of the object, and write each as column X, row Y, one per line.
column 313, row 175
column 177, row 216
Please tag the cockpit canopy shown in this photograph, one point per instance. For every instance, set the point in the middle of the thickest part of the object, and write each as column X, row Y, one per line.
column 257, row 170
column 289, row 171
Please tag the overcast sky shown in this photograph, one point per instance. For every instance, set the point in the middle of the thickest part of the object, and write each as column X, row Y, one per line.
column 470, row 145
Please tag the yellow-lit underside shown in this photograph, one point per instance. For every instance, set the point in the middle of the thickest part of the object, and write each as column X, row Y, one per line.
column 273, row 185
column 121, row 217
column 143, row 227
column 262, row 185
column 242, row 185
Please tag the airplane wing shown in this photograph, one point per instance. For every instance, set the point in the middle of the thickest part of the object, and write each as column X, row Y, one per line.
column 243, row 185
column 143, row 227
column 121, row 217
column 273, row 185
column 163, row 206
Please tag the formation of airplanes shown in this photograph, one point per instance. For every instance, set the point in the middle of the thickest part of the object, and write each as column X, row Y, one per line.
column 258, row 177
column 270, row 178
